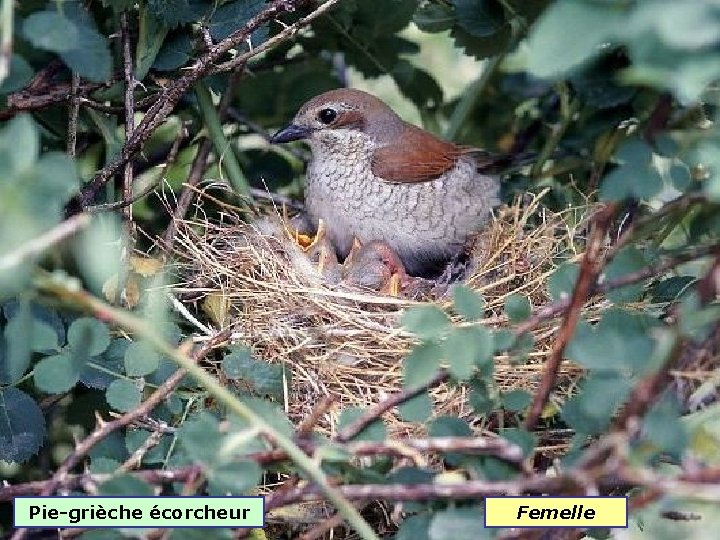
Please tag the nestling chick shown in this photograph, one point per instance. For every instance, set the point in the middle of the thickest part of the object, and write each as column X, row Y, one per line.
column 375, row 177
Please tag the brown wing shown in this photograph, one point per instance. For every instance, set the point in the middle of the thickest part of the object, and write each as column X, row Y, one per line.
column 417, row 156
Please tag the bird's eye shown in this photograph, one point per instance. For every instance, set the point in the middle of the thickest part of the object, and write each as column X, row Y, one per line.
column 326, row 116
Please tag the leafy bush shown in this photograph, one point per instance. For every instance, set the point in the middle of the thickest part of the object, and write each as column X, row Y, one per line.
column 114, row 111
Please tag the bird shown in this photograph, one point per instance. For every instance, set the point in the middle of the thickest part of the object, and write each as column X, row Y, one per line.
column 377, row 178
column 376, row 267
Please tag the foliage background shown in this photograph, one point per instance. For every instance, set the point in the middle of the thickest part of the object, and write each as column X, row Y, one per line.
column 183, row 91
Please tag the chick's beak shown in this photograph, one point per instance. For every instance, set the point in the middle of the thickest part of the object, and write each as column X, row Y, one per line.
column 289, row 133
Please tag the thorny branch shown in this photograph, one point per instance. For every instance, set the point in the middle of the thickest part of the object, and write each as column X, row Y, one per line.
column 590, row 268
column 169, row 98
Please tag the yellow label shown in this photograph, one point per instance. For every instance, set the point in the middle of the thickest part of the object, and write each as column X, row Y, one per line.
column 556, row 512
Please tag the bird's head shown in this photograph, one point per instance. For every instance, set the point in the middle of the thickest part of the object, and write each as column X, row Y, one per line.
column 342, row 115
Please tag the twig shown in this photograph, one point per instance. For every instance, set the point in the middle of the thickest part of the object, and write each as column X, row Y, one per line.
column 129, row 111
column 72, row 481
column 473, row 446
column 128, row 239
column 196, row 171
column 169, row 160
column 136, row 458
column 73, row 116
column 377, row 410
column 198, row 165
column 278, row 38
column 34, row 247
column 40, row 94
column 306, row 426
column 590, row 268
column 319, row 530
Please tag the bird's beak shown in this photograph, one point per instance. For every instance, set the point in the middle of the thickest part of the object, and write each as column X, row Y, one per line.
column 289, row 133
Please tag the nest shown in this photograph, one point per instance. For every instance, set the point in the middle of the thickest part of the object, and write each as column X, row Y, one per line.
column 347, row 342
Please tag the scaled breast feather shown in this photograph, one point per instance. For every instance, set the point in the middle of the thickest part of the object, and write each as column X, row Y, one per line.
column 416, row 156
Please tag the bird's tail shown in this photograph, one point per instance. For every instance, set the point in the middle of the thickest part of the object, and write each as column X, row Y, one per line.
column 489, row 163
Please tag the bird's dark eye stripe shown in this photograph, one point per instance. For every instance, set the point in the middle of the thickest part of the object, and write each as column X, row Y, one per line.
column 326, row 116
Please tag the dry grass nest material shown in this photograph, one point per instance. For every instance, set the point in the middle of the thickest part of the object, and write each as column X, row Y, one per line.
column 346, row 342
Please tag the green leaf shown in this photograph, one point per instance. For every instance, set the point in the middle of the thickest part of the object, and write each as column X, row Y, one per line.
column 111, row 447
column 561, row 283
column 235, row 364
column 112, row 361
column 680, row 176
column 620, row 342
column 56, row 374
column 635, row 177
column 459, row 524
column 516, row 400
column 19, row 147
column 670, row 288
column 503, row 339
column 524, row 439
column 51, row 31
column 480, row 18
column 466, row 348
column 590, row 411
column 22, row 426
column 414, row 527
column 123, row 395
column 517, row 308
column 233, row 15
column 432, row 17
column 480, row 397
column 174, row 53
column 16, row 346
column 72, row 34
column 627, row 261
column 374, row 432
column 173, row 13
column 428, row 322
column 125, row 485
column 88, row 336
column 570, row 33
column 151, row 37
column 482, row 47
column 265, row 378
column 236, row 478
column 141, row 359
column 19, row 75
column 417, row 85
column 449, row 426
column 662, row 427
column 103, row 465
column 119, row 6
column 203, row 533
column 270, row 413
column 422, row 364
column 200, row 437
column 467, row 303
column 417, row 409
